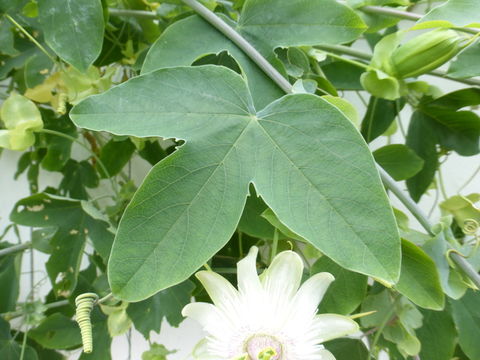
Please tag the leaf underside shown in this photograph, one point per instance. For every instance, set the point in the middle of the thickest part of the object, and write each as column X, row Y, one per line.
column 305, row 159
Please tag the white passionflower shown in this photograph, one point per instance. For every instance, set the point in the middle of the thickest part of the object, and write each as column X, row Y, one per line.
column 269, row 317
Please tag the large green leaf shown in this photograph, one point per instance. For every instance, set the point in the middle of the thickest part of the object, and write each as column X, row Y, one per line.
column 147, row 315
column 419, row 280
column 437, row 335
column 73, row 29
column 304, row 157
column 293, row 23
column 466, row 313
column 454, row 12
column 73, row 224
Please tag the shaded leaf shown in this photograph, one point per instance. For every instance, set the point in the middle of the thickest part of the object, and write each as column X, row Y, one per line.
column 347, row 349
column 73, row 29
column 380, row 115
column 466, row 313
column 421, row 138
column 252, row 223
column 57, row 332
column 147, row 315
column 437, row 335
column 115, row 155
column 47, row 211
column 346, row 293
column 419, row 279
column 398, row 160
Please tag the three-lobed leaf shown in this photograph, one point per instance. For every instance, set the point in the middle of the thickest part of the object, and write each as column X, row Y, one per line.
column 303, row 156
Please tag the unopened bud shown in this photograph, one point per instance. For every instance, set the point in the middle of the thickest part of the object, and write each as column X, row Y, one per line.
column 425, row 53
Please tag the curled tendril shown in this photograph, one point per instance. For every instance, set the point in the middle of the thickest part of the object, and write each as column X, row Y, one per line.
column 84, row 304
column 470, row 226
column 62, row 103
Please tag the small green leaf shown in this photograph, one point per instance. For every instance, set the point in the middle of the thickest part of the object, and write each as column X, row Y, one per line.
column 115, row 155
column 252, row 223
column 118, row 321
column 419, row 279
column 398, row 160
column 21, row 118
column 421, row 138
column 73, row 29
column 344, row 76
column 466, row 313
column 77, row 176
column 157, row 352
column 57, row 332
column 380, row 115
column 346, row 293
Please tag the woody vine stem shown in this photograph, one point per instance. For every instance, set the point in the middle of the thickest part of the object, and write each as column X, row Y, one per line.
column 283, row 83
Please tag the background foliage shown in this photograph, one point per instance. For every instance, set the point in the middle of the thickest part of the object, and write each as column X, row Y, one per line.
column 136, row 80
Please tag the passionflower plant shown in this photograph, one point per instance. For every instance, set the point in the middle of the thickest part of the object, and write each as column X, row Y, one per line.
column 269, row 317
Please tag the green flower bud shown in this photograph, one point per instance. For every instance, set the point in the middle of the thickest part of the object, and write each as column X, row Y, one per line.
column 425, row 53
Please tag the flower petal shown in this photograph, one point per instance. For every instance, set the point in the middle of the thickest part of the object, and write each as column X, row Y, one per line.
column 205, row 314
column 248, row 281
column 330, row 326
column 223, row 295
column 282, row 278
column 311, row 292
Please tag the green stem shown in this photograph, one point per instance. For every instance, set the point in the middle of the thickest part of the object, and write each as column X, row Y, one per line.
column 139, row 14
column 95, row 156
column 15, row 248
column 24, row 342
column 106, row 298
column 469, row 180
column 274, row 245
column 243, row 44
column 404, row 15
column 441, row 184
column 380, row 329
column 256, row 57
column 346, row 50
column 31, row 38
column 240, row 244
column 14, row 314
column 350, row 61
